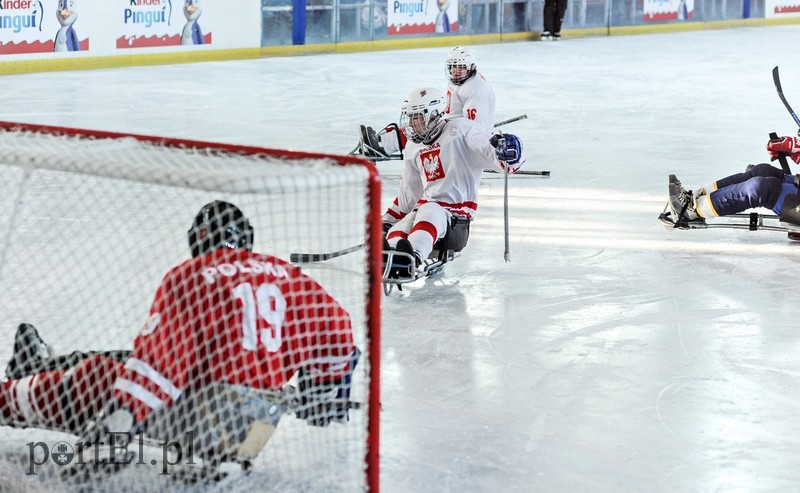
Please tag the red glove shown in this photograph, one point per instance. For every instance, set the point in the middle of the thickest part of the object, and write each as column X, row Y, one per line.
column 785, row 145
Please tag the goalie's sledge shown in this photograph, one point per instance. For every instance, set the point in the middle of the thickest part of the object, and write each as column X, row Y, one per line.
column 209, row 435
column 105, row 468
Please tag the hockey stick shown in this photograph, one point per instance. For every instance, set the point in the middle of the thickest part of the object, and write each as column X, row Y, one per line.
column 522, row 172
column 511, row 120
column 301, row 258
column 290, row 398
column 776, row 78
column 506, row 251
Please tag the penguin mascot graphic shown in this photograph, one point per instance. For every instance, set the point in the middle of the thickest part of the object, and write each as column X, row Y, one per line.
column 192, row 35
column 442, row 24
column 66, row 38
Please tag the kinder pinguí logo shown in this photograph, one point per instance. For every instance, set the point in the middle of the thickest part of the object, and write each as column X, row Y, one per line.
column 16, row 15
column 148, row 12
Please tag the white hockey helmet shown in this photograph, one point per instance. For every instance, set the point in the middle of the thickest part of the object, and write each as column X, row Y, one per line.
column 461, row 58
column 423, row 112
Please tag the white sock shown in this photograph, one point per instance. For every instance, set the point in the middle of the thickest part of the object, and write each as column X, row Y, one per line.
column 704, row 206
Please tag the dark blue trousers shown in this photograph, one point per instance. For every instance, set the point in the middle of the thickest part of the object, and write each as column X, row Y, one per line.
column 763, row 185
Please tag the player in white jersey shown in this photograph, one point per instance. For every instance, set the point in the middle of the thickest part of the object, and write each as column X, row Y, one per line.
column 468, row 95
column 444, row 160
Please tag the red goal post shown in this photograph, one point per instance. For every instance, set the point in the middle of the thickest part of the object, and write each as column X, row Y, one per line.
column 91, row 220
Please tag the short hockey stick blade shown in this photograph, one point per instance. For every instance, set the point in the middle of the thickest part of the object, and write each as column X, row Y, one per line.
column 302, row 258
column 511, row 120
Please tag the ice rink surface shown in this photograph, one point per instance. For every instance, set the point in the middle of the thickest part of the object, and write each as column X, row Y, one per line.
column 610, row 354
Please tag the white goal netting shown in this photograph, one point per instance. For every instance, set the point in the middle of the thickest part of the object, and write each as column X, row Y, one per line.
column 225, row 365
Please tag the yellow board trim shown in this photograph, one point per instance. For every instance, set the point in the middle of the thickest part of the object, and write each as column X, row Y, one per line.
column 95, row 62
column 190, row 56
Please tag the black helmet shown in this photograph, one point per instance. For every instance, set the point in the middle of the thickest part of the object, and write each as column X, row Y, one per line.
column 219, row 225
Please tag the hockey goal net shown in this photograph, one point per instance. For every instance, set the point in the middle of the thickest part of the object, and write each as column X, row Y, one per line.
column 92, row 221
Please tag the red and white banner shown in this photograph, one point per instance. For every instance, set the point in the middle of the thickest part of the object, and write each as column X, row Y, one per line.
column 41, row 30
column 422, row 16
column 43, row 26
column 668, row 10
column 149, row 23
column 781, row 8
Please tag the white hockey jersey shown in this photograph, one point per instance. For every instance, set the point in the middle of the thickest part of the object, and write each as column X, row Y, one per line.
column 474, row 99
column 448, row 171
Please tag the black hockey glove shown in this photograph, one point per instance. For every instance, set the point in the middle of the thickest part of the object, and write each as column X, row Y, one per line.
column 321, row 403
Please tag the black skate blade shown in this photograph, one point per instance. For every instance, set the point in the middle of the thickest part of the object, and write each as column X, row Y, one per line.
column 434, row 271
column 666, row 219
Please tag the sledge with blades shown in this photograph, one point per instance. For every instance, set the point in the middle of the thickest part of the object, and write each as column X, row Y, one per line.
column 447, row 249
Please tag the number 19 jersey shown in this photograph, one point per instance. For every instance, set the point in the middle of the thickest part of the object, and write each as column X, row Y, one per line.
column 238, row 317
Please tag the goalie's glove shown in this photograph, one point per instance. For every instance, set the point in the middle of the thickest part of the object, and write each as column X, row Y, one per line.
column 784, row 145
column 322, row 403
column 507, row 147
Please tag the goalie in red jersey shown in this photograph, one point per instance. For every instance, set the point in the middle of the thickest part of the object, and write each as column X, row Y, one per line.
column 227, row 331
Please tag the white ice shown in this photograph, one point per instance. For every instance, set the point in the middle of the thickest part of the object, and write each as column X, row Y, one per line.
column 610, row 354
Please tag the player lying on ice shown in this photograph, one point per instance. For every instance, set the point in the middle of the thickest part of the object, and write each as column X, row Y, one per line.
column 443, row 163
column 762, row 185
column 227, row 330
column 468, row 95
